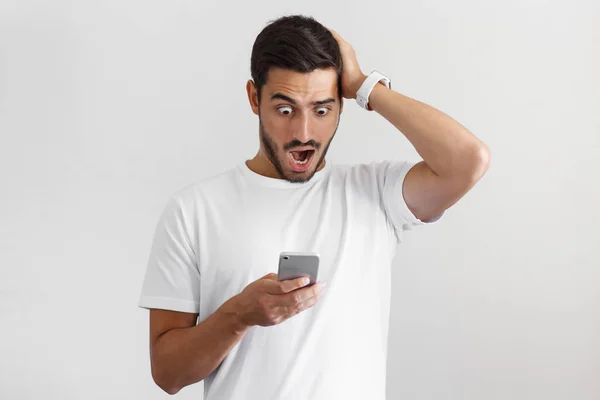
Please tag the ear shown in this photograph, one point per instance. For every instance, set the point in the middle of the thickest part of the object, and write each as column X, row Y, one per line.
column 252, row 96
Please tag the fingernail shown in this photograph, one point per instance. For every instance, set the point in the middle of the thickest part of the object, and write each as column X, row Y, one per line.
column 306, row 281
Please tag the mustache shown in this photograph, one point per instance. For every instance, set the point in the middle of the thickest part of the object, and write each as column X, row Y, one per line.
column 296, row 143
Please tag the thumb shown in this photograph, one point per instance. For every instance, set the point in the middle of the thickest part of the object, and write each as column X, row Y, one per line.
column 270, row 276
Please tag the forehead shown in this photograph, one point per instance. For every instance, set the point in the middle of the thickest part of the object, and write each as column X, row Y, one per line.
column 304, row 87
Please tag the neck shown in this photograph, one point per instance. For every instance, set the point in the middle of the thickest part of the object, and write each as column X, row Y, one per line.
column 263, row 166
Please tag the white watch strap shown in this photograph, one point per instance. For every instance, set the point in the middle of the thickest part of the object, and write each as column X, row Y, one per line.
column 363, row 93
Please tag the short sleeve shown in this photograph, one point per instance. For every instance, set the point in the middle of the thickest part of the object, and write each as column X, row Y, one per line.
column 172, row 279
column 391, row 175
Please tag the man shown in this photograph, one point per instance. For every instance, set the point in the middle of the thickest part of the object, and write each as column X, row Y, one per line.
column 216, row 247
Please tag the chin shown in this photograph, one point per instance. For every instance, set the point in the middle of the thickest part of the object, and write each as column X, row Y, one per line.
column 300, row 176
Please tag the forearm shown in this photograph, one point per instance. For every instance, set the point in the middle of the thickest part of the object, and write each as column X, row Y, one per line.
column 181, row 357
column 447, row 147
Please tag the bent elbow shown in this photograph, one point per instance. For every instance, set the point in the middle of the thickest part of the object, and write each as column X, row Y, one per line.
column 484, row 157
column 480, row 163
column 164, row 383
column 168, row 383
column 169, row 389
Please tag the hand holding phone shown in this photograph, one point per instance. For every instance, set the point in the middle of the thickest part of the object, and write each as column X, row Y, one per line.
column 268, row 301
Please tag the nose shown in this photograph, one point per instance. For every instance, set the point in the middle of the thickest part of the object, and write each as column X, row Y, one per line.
column 303, row 129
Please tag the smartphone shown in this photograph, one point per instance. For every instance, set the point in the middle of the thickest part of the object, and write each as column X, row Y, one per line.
column 294, row 265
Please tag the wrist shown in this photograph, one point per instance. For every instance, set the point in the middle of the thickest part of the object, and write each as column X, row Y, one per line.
column 357, row 84
column 370, row 85
column 375, row 95
column 232, row 312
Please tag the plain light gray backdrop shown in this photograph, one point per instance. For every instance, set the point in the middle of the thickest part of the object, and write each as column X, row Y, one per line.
column 108, row 107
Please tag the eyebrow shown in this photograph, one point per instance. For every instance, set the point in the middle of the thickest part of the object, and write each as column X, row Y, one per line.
column 290, row 100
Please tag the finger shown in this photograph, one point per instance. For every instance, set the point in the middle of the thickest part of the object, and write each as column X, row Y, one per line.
column 272, row 276
column 300, row 295
column 308, row 303
column 314, row 290
column 288, row 285
column 305, row 303
column 337, row 37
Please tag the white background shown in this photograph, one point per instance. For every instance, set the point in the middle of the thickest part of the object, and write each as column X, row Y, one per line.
column 108, row 107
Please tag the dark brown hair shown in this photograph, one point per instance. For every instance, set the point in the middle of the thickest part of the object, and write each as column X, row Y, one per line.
column 297, row 43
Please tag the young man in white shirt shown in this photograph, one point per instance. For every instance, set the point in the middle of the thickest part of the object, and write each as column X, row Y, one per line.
column 218, row 312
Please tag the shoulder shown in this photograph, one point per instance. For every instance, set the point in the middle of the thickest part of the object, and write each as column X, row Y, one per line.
column 198, row 191
column 372, row 172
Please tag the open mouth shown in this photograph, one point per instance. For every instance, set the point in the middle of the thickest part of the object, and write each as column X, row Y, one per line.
column 300, row 160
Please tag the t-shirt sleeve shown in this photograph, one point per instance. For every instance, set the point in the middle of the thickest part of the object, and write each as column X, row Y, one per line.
column 172, row 279
column 391, row 175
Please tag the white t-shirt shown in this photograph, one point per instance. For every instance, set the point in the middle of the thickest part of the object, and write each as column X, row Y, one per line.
column 218, row 235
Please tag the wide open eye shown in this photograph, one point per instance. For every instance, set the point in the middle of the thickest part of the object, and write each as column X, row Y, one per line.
column 285, row 110
column 322, row 111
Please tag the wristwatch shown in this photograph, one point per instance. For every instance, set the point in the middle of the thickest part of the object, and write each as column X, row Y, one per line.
column 362, row 95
